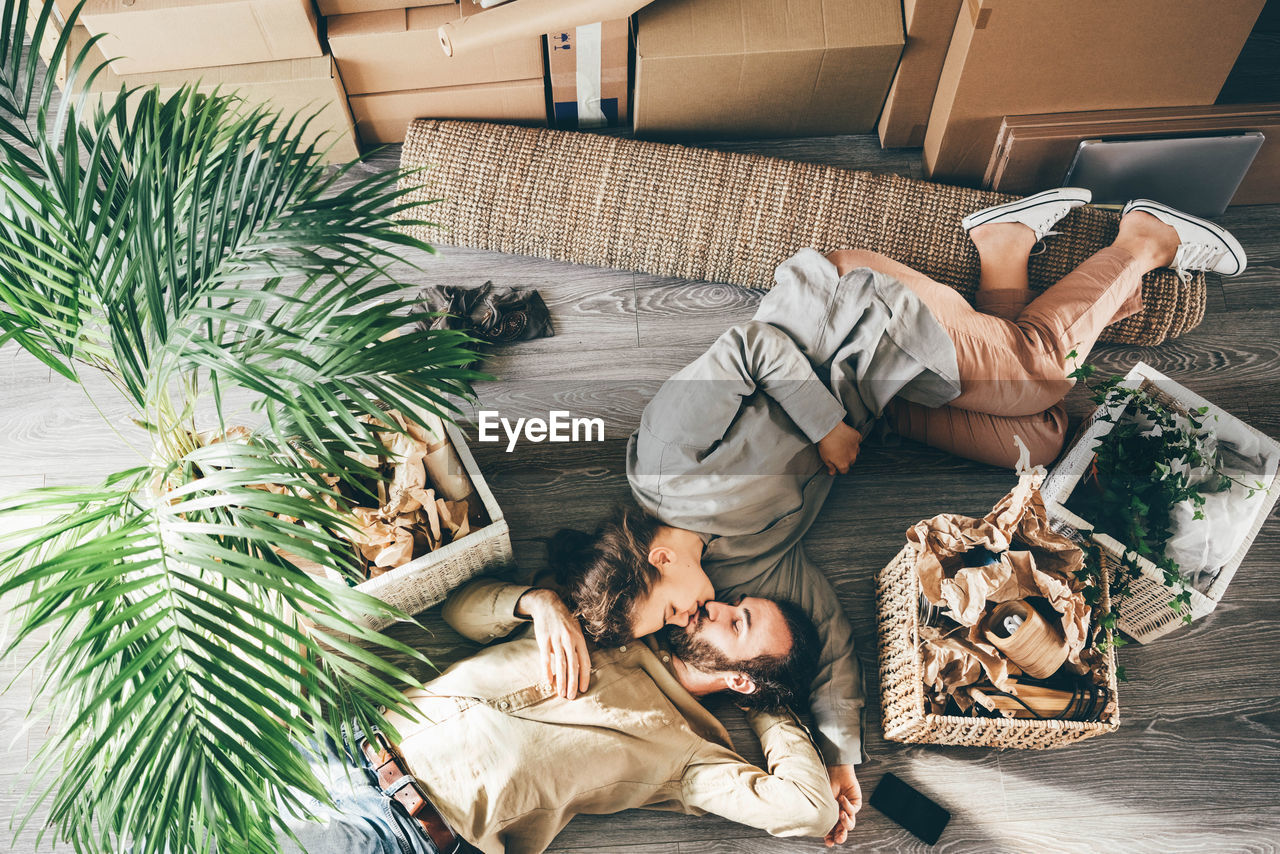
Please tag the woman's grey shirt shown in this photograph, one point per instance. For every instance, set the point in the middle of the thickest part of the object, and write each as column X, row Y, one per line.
column 728, row 446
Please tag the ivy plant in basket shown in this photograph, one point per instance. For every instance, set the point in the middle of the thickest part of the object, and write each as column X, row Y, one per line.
column 192, row 252
column 1140, row 471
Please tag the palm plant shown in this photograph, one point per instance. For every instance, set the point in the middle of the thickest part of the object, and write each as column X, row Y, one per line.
column 193, row 252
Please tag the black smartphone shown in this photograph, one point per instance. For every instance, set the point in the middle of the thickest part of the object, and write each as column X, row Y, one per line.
column 910, row 809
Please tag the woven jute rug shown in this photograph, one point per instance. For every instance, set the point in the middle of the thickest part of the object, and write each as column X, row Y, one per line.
column 724, row 217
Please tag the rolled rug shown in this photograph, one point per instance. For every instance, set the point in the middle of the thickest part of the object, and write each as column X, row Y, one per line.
column 719, row 216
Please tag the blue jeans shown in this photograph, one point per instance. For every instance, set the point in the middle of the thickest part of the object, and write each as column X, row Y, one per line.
column 365, row 821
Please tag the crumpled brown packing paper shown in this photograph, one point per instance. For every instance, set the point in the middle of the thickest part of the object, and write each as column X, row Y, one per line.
column 420, row 514
column 429, row 502
column 1034, row 561
column 242, row 435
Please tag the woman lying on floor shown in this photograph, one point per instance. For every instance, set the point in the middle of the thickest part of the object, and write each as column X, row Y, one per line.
column 735, row 454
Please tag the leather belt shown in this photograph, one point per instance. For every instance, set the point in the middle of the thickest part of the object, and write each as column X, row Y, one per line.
column 396, row 782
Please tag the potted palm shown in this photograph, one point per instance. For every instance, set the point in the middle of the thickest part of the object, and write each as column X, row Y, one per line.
column 194, row 253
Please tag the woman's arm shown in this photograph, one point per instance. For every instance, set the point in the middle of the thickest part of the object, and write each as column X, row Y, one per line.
column 698, row 404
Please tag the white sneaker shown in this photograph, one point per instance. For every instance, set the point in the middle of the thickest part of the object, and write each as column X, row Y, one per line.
column 1040, row 212
column 1204, row 246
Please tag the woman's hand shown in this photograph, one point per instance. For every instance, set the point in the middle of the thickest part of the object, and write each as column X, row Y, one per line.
column 839, row 448
column 564, row 649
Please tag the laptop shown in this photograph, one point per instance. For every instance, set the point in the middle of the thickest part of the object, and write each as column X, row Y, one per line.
column 1196, row 174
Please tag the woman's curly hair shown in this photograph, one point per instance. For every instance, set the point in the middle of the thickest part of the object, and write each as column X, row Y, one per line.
column 604, row 575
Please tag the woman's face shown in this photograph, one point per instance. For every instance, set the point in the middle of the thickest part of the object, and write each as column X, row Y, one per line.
column 678, row 594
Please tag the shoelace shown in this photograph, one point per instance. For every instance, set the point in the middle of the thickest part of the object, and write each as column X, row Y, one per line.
column 1042, row 228
column 1194, row 257
column 1041, row 247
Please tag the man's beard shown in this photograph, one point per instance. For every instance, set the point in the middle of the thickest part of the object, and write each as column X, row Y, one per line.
column 695, row 651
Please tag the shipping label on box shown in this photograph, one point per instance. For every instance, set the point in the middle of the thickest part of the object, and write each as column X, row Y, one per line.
column 588, row 74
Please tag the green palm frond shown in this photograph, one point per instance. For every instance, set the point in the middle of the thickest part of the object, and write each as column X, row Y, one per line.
column 192, row 249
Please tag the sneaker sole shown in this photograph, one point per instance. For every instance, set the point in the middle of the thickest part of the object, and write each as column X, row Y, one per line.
column 1233, row 245
column 1060, row 194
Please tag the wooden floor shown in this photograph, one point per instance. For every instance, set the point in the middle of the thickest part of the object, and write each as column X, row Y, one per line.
column 1196, row 764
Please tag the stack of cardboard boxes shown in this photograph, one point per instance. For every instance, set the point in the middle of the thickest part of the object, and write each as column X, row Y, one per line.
column 973, row 66
column 395, row 70
column 369, row 67
column 1035, row 151
column 981, row 85
column 267, row 50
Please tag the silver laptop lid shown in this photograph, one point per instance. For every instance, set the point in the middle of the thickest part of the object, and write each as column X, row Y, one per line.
column 1197, row 174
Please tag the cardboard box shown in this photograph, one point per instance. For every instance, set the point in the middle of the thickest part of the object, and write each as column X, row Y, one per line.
column 1034, row 152
column 928, row 24
column 49, row 40
column 384, row 117
column 399, row 50
column 352, row 7
column 480, row 28
column 170, row 35
column 1012, row 57
column 291, row 86
column 588, row 74
column 764, row 67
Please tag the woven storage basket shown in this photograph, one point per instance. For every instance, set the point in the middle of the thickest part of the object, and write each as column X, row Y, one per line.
column 902, row 698
column 719, row 216
column 1145, row 615
column 427, row 580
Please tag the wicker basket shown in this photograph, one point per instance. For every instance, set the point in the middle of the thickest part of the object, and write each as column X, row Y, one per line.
column 427, row 580
column 902, row 684
column 1145, row 615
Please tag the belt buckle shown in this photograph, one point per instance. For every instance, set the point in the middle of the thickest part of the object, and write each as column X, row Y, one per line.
column 433, row 823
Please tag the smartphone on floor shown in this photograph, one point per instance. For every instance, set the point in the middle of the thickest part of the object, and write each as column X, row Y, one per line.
column 907, row 807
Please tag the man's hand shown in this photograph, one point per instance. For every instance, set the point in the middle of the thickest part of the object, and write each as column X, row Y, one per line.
column 848, row 794
column 564, row 649
column 839, row 448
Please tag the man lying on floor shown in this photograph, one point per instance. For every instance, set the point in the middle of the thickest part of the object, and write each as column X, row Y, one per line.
column 507, row 761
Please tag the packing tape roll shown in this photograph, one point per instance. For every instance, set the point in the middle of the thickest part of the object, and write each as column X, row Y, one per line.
column 528, row 19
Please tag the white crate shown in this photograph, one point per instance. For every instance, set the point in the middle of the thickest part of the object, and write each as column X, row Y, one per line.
column 427, row 580
column 1145, row 615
